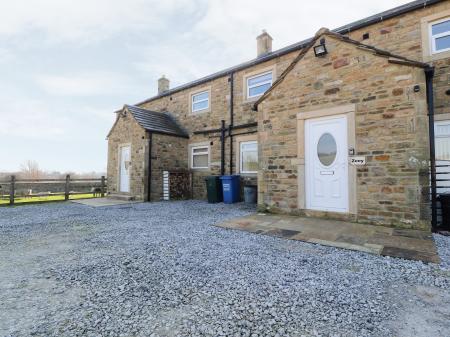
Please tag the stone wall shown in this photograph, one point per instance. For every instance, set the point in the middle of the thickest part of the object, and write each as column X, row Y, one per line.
column 391, row 131
column 403, row 35
column 128, row 131
column 178, row 104
column 168, row 154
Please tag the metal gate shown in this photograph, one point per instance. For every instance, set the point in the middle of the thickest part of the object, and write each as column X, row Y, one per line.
column 439, row 185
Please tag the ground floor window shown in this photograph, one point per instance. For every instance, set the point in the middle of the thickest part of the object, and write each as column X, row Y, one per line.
column 248, row 157
column 442, row 140
column 442, row 154
column 199, row 157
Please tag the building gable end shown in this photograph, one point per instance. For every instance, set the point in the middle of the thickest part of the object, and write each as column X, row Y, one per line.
column 324, row 32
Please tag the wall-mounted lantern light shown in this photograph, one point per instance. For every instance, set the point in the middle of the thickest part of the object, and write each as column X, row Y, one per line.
column 320, row 50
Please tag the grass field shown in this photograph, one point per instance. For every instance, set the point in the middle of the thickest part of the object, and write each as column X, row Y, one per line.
column 49, row 198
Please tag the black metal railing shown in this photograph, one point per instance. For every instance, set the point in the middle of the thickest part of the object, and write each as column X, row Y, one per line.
column 441, row 182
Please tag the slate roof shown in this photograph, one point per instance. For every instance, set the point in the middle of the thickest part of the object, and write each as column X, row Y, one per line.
column 156, row 122
column 380, row 17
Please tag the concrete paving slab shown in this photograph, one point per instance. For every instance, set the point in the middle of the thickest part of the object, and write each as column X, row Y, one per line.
column 402, row 243
column 373, row 249
column 102, row 202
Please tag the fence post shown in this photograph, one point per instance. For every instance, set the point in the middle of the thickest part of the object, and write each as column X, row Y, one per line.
column 66, row 188
column 12, row 190
column 103, row 187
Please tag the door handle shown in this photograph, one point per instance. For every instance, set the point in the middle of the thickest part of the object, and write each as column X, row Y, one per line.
column 327, row 173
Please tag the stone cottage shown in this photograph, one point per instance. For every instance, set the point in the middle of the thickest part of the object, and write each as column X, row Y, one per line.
column 340, row 125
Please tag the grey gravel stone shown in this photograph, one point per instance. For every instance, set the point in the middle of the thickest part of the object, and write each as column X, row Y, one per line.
column 161, row 269
column 443, row 247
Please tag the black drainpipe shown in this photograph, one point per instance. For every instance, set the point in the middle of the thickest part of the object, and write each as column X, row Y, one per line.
column 222, row 148
column 230, row 127
column 149, row 182
column 429, row 73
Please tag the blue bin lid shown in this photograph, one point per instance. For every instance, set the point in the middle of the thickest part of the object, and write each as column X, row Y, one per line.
column 228, row 177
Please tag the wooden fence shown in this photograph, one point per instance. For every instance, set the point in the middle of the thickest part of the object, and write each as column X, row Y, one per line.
column 66, row 184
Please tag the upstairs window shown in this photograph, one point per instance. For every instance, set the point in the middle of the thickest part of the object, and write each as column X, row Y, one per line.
column 200, row 101
column 258, row 85
column 440, row 36
column 249, row 157
column 200, row 157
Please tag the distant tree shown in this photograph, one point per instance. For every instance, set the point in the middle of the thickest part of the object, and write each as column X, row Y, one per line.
column 30, row 170
column 72, row 174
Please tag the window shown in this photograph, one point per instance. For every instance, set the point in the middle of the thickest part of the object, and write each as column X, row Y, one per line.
column 442, row 140
column 326, row 149
column 442, row 153
column 200, row 157
column 257, row 85
column 200, row 101
column 440, row 36
column 249, row 157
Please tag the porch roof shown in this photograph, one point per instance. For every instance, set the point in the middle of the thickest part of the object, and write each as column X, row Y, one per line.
column 157, row 122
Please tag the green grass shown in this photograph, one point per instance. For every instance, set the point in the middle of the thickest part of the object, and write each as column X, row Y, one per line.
column 50, row 198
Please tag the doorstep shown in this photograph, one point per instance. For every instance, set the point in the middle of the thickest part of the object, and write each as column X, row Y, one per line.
column 402, row 243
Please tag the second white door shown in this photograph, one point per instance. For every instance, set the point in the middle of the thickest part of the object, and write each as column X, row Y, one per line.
column 326, row 164
column 124, row 169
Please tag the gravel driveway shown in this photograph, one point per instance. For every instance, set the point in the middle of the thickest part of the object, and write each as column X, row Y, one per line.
column 160, row 269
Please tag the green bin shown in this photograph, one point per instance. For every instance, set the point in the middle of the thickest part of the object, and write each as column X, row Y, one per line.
column 214, row 189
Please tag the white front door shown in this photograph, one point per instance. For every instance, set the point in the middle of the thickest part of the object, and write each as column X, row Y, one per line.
column 124, row 169
column 326, row 164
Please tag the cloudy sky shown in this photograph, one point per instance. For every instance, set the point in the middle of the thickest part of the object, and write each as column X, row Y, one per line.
column 67, row 65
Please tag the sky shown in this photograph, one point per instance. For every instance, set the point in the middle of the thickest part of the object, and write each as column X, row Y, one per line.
column 67, row 65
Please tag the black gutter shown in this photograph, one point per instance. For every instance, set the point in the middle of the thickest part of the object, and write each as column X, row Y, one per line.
column 230, row 127
column 168, row 134
column 429, row 74
column 149, row 182
column 242, row 126
column 237, row 134
column 380, row 17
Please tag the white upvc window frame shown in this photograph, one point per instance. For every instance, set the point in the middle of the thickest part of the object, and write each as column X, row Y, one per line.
column 259, row 84
column 207, row 152
column 241, row 155
column 439, row 135
column 433, row 38
column 202, row 100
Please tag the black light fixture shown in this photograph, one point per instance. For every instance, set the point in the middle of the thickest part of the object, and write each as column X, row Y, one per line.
column 320, row 49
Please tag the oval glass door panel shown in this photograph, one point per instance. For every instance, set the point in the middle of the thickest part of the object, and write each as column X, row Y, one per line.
column 326, row 149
